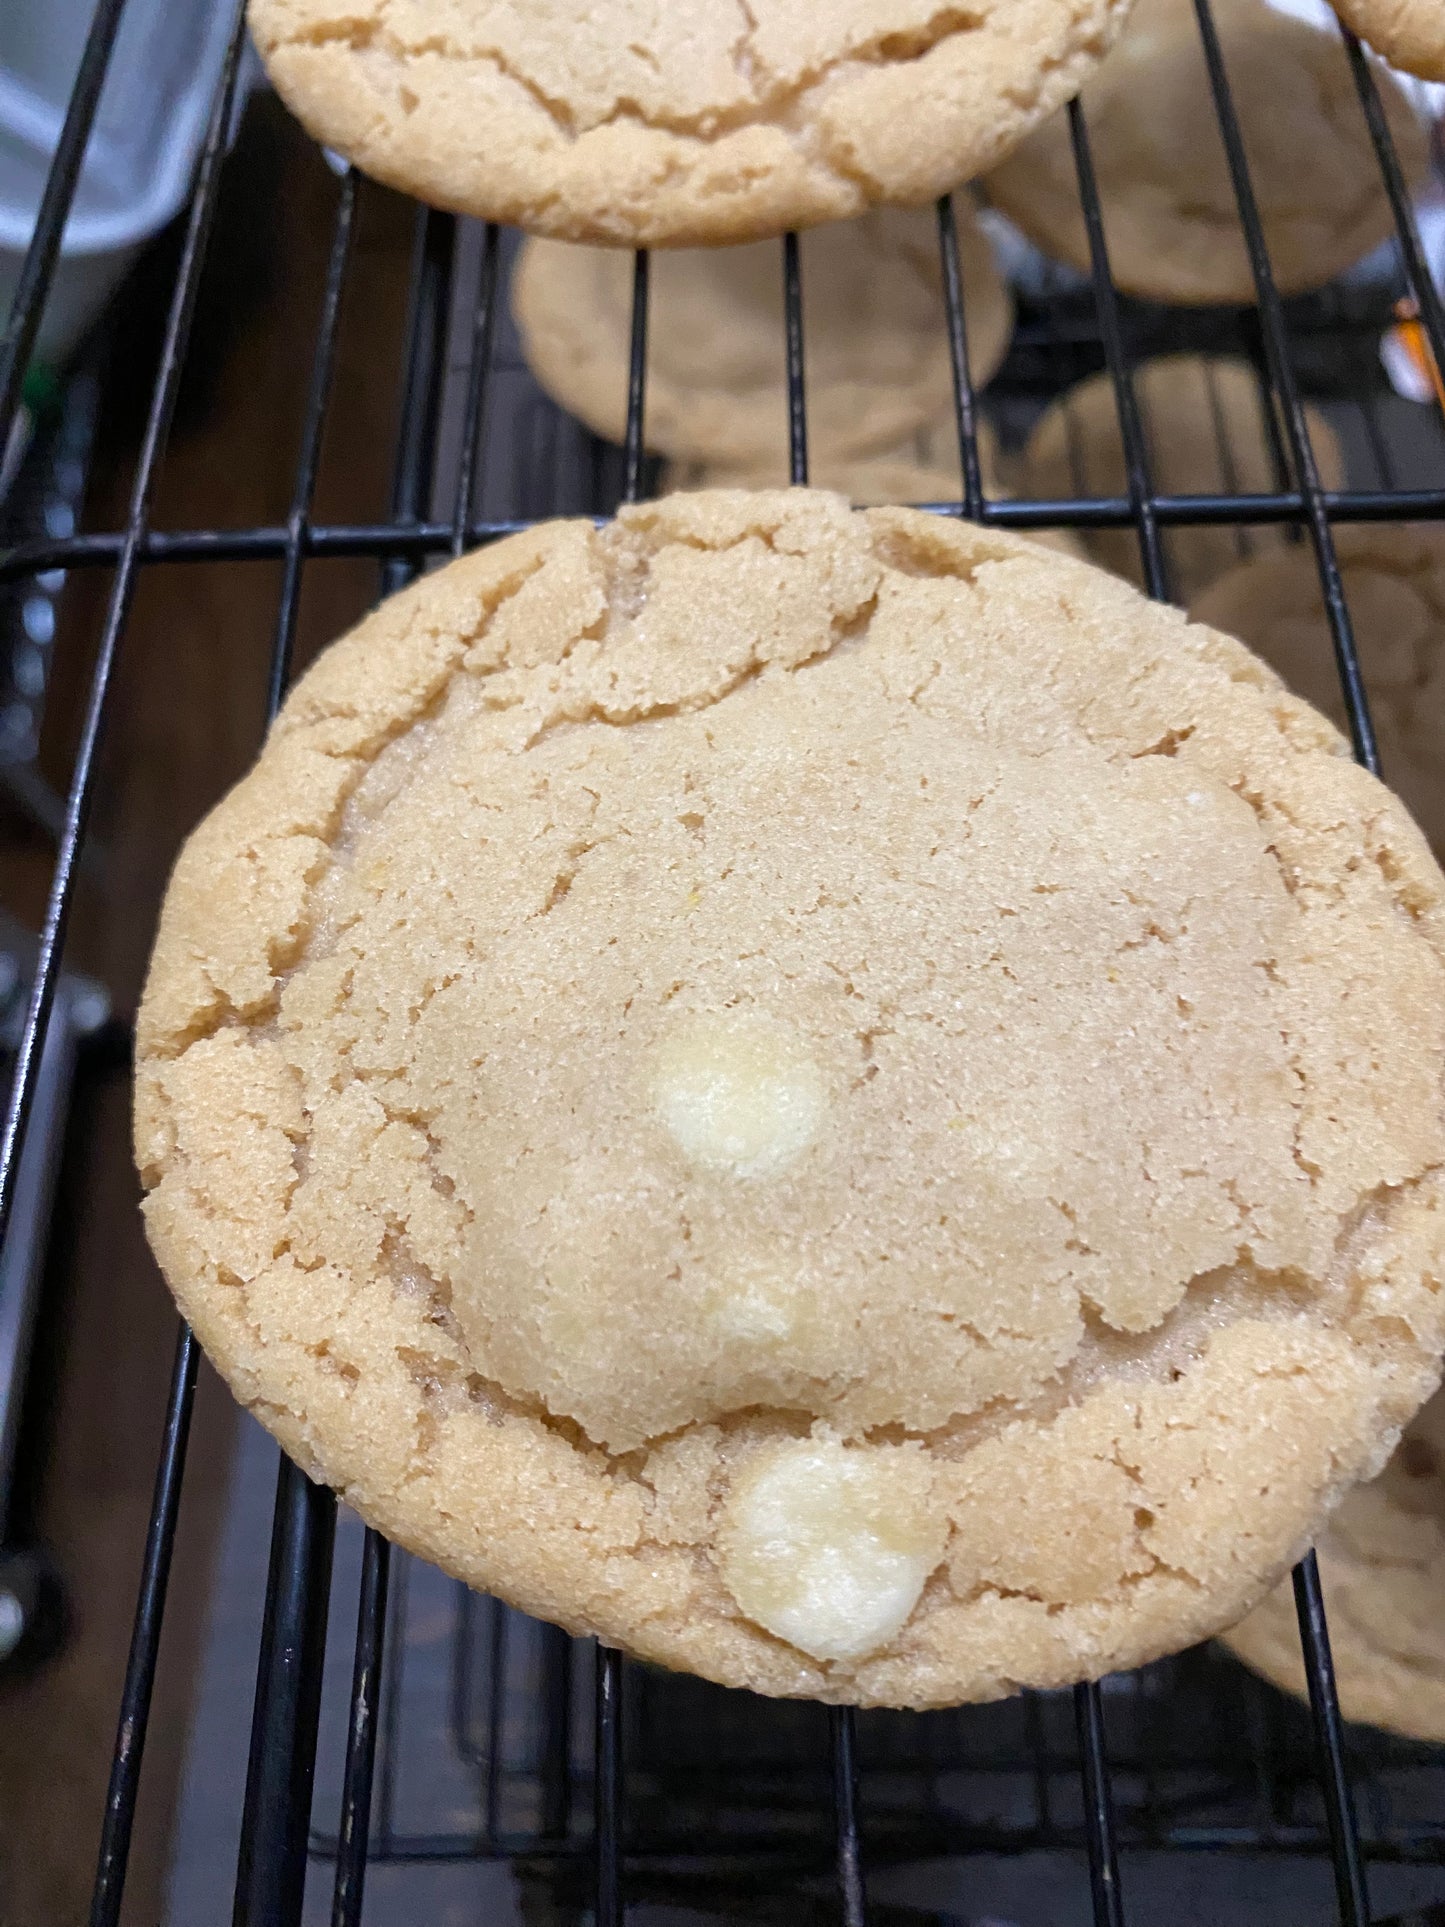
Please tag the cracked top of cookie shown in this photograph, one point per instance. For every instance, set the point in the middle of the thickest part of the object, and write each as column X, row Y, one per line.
column 666, row 123
column 833, row 1097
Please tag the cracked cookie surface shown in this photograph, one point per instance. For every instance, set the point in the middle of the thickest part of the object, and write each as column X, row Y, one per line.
column 1382, row 1567
column 875, row 340
column 767, row 1026
column 668, row 123
column 1394, row 580
column 1170, row 213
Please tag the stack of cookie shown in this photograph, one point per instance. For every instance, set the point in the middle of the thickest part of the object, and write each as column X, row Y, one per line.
column 828, row 1095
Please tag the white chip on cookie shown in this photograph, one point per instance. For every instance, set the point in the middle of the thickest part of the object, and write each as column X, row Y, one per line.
column 739, row 1092
column 829, row 1546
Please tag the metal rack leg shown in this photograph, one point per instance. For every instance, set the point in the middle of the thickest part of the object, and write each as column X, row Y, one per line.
column 965, row 401
column 1098, row 1807
column 140, row 1671
column 609, row 1903
column 797, row 389
column 1350, row 1892
column 843, row 1731
column 276, row 1816
column 360, row 1768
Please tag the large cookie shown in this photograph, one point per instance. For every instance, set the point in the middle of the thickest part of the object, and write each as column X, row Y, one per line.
column 1206, row 432
column 1169, row 208
column 1382, row 1566
column 830, row 1096
column 875, row 340
column 1409, row 33
column 1395, row 587
column 638, row 123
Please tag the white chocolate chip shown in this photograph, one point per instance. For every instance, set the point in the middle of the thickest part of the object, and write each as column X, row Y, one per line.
column 739, row 1092
column 828, row 1546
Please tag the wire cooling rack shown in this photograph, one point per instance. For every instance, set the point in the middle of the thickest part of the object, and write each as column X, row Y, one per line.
column 669, row 1818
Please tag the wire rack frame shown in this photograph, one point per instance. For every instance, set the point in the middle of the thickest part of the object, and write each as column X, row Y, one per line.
column 271, row 1874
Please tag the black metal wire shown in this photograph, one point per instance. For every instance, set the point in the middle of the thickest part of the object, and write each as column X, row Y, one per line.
column 608, row 1904
column 354, row 1837
column 136, row 1694
column 843, row 1738
column 496, row 1710
column 323, row 368
column 420, row 539
column 1281, row 369
column 1350, row 1892
column 797, row 390
column 1106, row 302
column 965, row 402
column 556, row 1711
column 636, row 378
column 140, row 1669
column 275, row 1816
column 1098, row 1807
column 153, row 441
column 38, row 269
column 479, row 374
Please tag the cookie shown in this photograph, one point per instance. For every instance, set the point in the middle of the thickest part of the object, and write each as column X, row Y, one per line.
column 631, row 124
column 876, row 359
column 832, row 1097
column 1382, row 1567
column 1169, row 209
column 1206, row 431
column 1407, row 33
column 1395, row 586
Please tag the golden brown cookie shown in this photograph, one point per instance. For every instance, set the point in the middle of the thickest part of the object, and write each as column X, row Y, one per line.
column 833, row 1097
column 1206, row 432
column 1407, row 33
column 1169, row 209
column 632, row 123
column 876, row 359
column 1382, row 1567
column 1395, row 587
